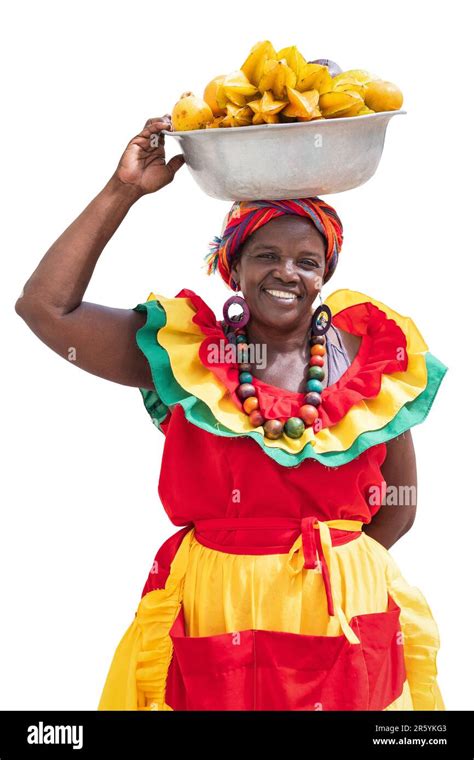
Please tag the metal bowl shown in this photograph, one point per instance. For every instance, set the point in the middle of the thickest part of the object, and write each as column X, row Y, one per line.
column 296, row 160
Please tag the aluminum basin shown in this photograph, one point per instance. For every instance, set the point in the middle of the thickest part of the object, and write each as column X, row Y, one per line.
column 295, row 160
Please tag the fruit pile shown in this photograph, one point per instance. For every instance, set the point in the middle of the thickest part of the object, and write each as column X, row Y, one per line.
column 272, row 88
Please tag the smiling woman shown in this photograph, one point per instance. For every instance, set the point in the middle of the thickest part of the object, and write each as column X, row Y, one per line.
column 354, row 635
column 278, row 591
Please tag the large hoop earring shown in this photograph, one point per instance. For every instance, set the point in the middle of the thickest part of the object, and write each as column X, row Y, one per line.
column 322, row 318
column 239, row 321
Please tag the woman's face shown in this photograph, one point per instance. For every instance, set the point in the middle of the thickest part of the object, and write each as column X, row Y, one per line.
column 280, row 271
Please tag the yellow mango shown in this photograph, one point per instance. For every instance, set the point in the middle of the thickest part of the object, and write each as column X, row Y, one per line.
column 383, row 96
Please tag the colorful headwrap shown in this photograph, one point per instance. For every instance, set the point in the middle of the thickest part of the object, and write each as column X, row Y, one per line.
column 244, row 217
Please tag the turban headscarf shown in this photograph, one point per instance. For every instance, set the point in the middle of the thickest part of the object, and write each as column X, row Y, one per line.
column 244, row 217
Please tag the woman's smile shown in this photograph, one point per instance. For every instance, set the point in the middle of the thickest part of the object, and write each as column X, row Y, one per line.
column 284, row 297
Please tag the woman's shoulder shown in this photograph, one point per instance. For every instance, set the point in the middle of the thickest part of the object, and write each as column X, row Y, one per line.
column 345, row 342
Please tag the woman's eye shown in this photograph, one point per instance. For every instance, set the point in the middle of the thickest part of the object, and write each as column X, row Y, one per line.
column 271, row 256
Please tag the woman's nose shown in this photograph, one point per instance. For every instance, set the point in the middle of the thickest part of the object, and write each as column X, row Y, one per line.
column 285, row 270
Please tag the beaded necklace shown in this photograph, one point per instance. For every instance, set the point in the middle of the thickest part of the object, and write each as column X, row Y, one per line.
column 294, row 427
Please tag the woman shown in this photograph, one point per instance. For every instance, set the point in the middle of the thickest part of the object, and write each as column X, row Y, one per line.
column 285, row 432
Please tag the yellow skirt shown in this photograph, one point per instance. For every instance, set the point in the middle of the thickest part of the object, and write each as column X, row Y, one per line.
column 239, row 631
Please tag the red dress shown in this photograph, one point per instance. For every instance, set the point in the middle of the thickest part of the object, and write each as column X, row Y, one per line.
column 271, row 596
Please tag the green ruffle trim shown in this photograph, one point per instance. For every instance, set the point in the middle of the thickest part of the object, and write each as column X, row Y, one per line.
column 199, row 414
column 146, row 341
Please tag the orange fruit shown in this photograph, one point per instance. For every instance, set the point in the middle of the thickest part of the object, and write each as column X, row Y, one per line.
column 383, row 96
column 210, row 95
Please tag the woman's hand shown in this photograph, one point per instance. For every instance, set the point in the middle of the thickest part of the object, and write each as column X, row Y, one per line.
column 143, row 164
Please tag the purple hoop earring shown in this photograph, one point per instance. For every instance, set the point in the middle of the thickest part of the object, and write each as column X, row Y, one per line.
column 242, row 319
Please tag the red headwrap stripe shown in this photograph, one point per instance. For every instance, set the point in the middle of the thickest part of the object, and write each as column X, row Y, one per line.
column 244, row 217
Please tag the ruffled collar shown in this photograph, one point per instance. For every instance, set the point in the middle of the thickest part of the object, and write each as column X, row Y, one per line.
column 383, row 350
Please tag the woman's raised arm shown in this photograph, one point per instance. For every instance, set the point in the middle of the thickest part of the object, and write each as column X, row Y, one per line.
column 98, row 339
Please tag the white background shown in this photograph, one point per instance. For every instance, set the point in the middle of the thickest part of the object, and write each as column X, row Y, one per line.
column 81, row 520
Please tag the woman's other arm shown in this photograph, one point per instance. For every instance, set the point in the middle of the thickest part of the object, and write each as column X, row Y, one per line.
column 98, row 339
column 397, row 515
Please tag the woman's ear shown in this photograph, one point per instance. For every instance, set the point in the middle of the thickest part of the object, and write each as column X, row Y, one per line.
column 235, row 272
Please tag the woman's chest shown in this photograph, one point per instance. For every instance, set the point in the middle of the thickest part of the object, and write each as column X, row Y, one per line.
column 289, row 371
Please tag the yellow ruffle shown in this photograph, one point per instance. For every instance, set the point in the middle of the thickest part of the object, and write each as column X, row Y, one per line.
column 181, row 338
column 421, row 640
column 137, row 675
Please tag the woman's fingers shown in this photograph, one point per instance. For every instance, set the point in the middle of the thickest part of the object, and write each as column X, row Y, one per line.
column 154, row 125
column 175, row 163
column 166, row 119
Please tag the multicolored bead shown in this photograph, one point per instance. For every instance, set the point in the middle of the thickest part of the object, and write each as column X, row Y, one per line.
column 256, row 418
column 316, row 373
column 312, row 398
column 273, row 429
column 314, row 385
column 246, row 390
column 294, row 427
column 308, row 413
column 250, row 404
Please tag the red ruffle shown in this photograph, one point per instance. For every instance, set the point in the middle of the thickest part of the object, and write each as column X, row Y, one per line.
column 383, row 343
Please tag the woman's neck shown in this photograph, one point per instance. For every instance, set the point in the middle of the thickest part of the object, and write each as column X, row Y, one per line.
column 295, row 340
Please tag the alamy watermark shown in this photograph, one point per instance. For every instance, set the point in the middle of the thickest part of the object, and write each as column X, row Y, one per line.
column 392, row 496
column 237, row 353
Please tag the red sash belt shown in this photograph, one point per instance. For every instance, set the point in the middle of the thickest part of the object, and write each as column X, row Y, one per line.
column 281, row 535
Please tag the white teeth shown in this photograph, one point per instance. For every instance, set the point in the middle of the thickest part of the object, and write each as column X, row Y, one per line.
column 282, row 294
